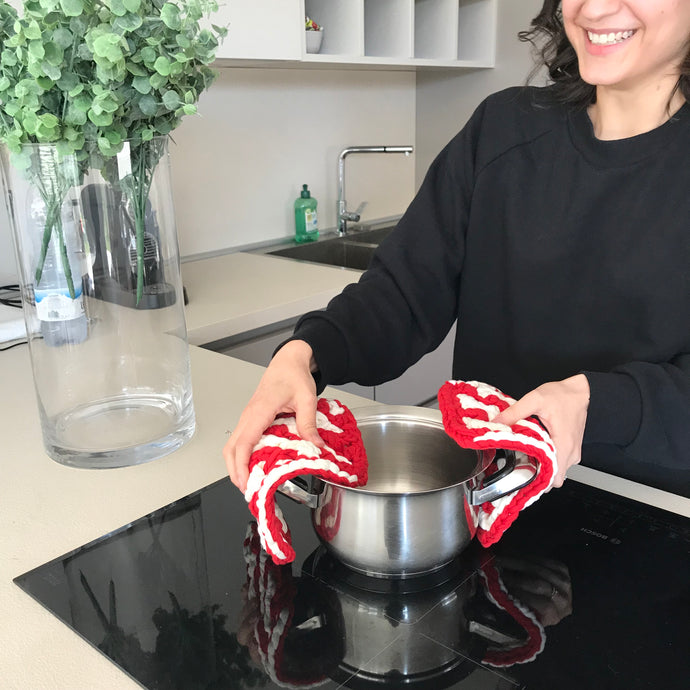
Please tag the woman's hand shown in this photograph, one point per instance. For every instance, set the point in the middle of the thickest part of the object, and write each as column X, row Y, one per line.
column 286, row 386
column 562, row 408
column 541, row 584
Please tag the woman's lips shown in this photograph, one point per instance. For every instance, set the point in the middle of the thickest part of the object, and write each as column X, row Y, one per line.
column 604, row 42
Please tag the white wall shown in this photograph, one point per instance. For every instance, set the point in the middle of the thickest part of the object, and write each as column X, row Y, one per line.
column 446, row 100
column 262, row 133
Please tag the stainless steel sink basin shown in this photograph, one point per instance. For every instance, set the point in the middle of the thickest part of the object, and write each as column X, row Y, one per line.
column 374, row 236
column 336, row 252
column 352, row 251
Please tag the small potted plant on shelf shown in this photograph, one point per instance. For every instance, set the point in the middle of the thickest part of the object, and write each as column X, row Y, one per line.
column 313, row 35
column 90, row 91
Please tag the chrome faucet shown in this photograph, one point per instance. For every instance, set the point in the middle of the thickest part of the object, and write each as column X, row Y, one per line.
column 345, row 216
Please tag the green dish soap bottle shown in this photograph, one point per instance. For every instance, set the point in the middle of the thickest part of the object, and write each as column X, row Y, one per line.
column 306, row 222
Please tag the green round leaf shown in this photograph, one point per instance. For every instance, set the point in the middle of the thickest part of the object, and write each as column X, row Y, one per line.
column 108, row 46
column 148, row 105
column 32, row 31
column 162, row 65
column 100, row 119
column 107, row 147
column 142, row 84
column 129, row 22
column 51, row 70
column 158, row 81
column 171, row 100
column 136, row 70
column 72, row 8
column 53, row 53
column 117, row 7
column 148, row 55
column 170, row 15
column 36, row 49
column 82, row 102
column 8, row 58
column 62, row 37
column 75, row 116
column 68, row 81
column 49, row 5
column 64, row 147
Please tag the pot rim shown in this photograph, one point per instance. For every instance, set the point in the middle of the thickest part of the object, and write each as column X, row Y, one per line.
column 425, row 416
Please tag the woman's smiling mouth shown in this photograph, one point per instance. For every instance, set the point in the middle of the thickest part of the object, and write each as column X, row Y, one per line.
column 609, row 39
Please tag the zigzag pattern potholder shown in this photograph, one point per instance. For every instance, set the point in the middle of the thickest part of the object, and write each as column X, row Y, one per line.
column 468, row 408
column 282, row 454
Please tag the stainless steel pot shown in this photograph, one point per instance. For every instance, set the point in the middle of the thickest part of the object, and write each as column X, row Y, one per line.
column 413, row 516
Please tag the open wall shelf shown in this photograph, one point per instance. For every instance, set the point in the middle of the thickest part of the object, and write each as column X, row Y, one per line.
column 395, row 34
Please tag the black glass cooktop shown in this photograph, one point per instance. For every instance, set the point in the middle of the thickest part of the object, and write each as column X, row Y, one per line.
column 585, row 591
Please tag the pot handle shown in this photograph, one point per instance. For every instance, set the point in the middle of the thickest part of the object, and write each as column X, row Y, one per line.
column 501, row 483
column 298, row 491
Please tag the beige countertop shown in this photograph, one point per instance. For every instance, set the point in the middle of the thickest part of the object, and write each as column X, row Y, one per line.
column 240, row 292
column 47, row 509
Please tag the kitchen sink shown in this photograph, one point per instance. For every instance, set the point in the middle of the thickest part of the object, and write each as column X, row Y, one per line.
column 336, row 252
column 354, row 250
column 374, row 236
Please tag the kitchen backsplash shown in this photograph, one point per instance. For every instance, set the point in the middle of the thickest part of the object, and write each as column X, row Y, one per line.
column 263, row 133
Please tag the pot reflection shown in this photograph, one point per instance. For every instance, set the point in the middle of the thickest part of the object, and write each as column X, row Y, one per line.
column 483, row 608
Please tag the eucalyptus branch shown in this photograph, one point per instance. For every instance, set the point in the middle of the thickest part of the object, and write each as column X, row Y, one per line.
column 88, row 75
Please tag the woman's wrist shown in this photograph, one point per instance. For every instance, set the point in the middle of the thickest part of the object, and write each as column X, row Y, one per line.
column 300, row 352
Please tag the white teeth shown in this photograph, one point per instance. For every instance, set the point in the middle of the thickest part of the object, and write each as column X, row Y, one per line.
column 609, row 39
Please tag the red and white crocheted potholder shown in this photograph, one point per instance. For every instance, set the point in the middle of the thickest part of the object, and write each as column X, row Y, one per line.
column 468, row 408
column 533, row 643
column 272, row 590
column 282, row 454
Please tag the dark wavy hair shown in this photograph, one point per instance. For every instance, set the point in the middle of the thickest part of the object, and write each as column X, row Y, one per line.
column 554, row 51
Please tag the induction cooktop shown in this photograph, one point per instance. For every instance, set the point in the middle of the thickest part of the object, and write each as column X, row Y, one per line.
column 585, row 590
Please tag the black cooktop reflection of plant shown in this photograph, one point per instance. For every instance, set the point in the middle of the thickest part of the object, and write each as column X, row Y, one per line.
column 193, row 651
column 199, row 653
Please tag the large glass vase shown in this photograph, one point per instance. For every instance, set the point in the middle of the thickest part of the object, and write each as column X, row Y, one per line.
column 98, row 262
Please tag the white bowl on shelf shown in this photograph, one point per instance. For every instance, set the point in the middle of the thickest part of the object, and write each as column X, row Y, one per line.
column 314, row 39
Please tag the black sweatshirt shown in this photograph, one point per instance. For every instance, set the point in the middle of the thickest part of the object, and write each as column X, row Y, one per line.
column 557, row 253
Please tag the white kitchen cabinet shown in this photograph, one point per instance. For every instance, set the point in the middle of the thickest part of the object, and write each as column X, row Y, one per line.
column 381, row 34
column 259, row 345
column 417, row 386
column 260, row 29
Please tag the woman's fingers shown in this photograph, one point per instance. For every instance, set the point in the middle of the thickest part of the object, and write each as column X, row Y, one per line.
column 522, row 409
column 561, row 406
column 305, row 418
column 238, row 449
column 286, row 386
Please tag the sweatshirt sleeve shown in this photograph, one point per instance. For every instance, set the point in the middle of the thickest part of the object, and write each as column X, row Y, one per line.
column 645, row 409
column 406, row 302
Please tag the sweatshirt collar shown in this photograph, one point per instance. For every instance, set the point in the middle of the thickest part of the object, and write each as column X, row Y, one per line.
column 622, row 152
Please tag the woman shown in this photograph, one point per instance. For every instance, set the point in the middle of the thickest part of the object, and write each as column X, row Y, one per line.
column 555, row 227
